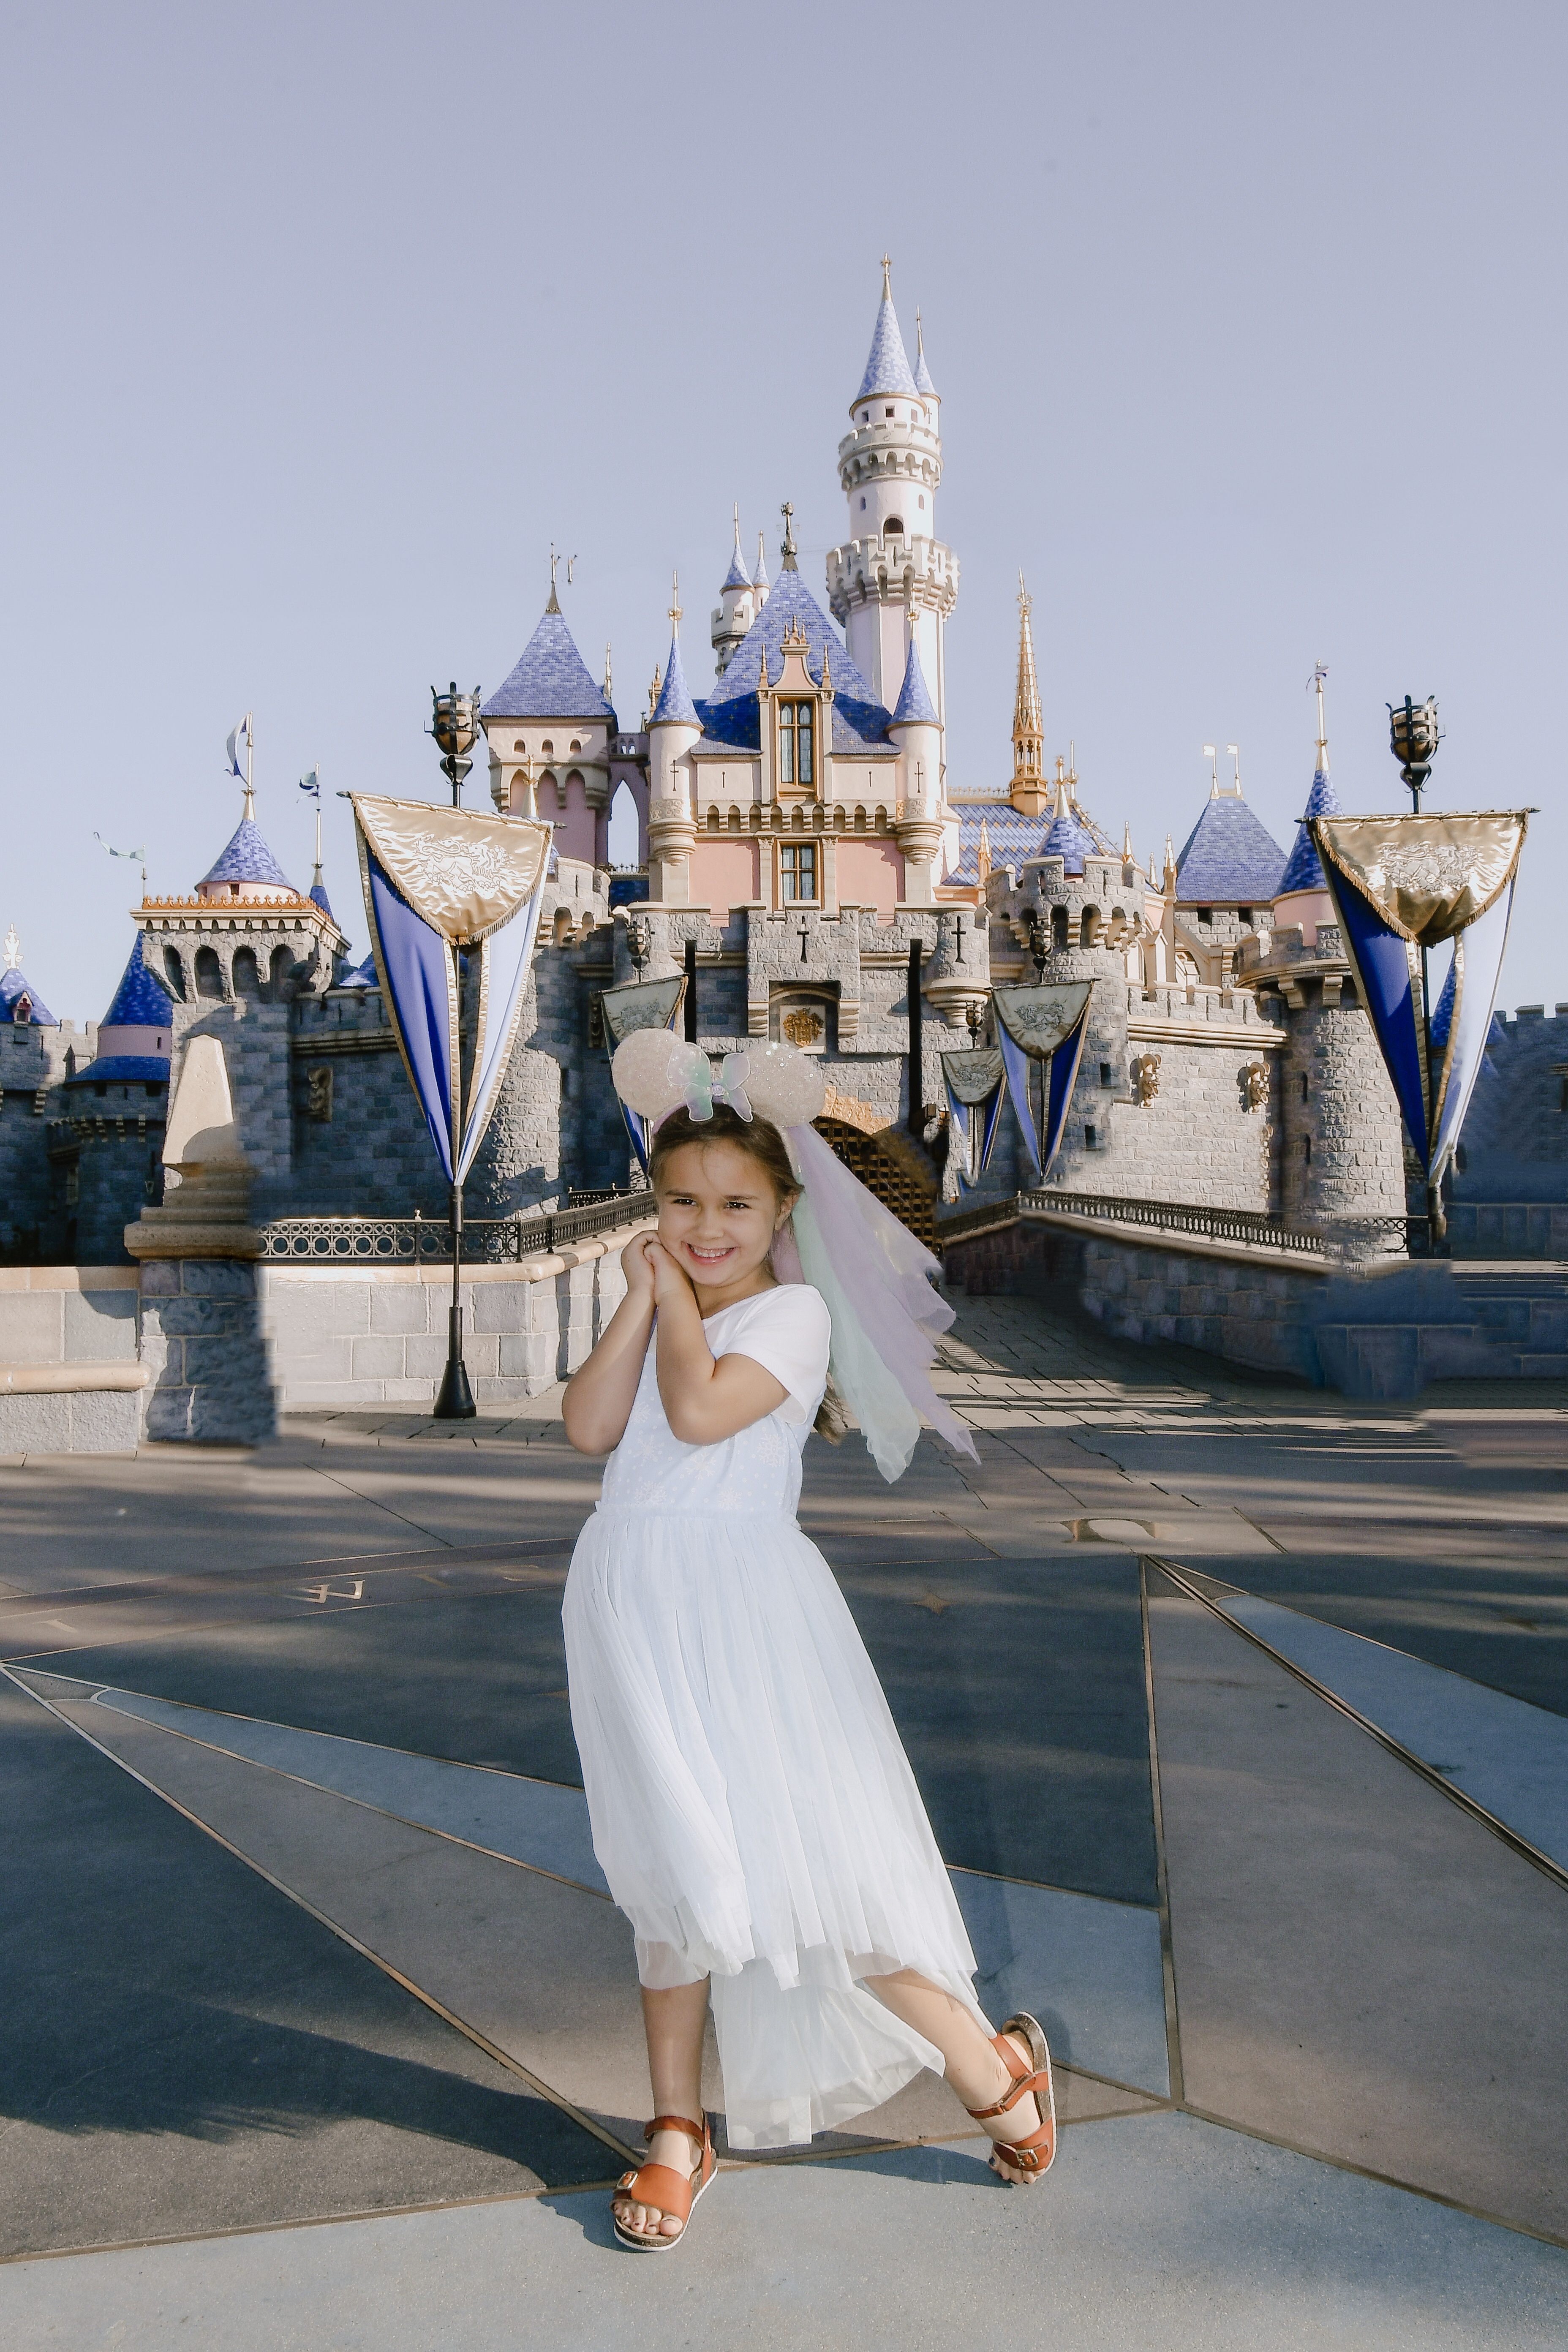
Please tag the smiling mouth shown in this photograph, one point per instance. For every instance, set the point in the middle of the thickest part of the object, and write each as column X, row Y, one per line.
column 708, row 1257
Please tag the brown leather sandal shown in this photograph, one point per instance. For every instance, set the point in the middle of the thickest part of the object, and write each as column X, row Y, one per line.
column 1036, row 2153
column 661, row 2185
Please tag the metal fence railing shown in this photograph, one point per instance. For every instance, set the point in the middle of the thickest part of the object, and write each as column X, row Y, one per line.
column 1251, row 1226
column 487, row 1240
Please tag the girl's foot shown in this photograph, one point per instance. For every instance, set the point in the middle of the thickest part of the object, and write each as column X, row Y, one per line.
column 653, row 2204
column 1022, row 2119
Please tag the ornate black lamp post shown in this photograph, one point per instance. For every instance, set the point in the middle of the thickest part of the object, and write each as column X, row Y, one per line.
column 1413, row 738
column 455, row 724
column 640, row 940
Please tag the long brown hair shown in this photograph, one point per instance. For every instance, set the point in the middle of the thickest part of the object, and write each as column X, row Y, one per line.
column 760, row 1140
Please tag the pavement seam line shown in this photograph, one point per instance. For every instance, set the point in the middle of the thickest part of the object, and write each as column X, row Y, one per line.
column 1167, row 1950
column 376, row 1747
column 1385, row 1739
column 367, row 1804
column 470, row 2032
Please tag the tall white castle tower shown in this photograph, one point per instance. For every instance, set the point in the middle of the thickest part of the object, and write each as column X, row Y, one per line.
column 893, row 576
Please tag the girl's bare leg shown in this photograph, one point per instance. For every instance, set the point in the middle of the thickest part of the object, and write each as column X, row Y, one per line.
column 969, row 2062
column 673, row 2022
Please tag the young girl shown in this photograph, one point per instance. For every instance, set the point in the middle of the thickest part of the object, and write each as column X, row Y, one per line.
column 753, row 1809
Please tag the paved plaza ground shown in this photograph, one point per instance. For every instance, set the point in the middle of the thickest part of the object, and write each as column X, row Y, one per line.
column 1241, row 1714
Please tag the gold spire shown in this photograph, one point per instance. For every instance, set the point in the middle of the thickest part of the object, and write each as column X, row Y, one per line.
column 675, row 604
column 983, row 855
column 1027, row 790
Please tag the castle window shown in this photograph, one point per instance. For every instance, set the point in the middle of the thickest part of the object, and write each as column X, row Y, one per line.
column 795, row 762
column 862, row 501
column 153, row 1089
column 1089, row 1138
column 1206, row 914
column 864, row 416
column 1307, row 1148
column 1303, row 1086
column 1105, row 1074
column 576, row 746
column 547, row 749
column 895, row 526
column 887, row 411
column 798, row 871
column 922, row 504
column 101, row 1091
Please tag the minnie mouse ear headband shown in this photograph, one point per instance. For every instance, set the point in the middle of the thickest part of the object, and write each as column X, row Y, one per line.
column 655, row 1073
column 872, row 1271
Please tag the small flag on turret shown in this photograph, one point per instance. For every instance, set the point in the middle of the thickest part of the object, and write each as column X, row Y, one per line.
column 137, row 855
column 311, row 783
column 240, row 740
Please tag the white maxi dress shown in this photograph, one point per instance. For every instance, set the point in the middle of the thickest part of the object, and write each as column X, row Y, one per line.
column 751, row 1805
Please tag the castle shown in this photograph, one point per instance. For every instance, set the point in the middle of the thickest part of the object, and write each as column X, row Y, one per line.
column 809, row 864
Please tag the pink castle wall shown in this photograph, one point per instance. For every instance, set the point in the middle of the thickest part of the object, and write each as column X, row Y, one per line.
column 567, row 805
column 871, row 873
column 723, row 871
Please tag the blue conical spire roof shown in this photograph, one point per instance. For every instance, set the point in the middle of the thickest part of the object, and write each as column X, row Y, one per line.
column 922, row 373
column 1303, row 870
column 737, row 575
column 14, row 983
column 549, row 679
column 760, row 576
column 915, row 706
column 319, row 897
column 676, row 707
column 888, row 366
column 248, row 859
column 140, row 1000
column 1066, row 840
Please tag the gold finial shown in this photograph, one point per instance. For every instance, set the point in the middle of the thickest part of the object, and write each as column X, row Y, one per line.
column 983, row 855
column 674, row 604
column 1126, row 842
column 787, row 551
column 654, row 691
column 887, row 278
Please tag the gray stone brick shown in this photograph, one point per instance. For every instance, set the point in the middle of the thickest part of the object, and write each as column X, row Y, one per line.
column 100, row 1327
column 377, row 1359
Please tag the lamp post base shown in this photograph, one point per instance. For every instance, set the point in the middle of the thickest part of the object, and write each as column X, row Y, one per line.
column 455, row 1398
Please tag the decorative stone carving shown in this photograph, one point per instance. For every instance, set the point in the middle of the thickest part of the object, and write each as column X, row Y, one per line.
column 319, row 1093
column 1145, row 1079
column 1254, row 1085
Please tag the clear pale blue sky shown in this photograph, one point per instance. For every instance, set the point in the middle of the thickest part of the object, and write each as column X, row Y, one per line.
column 1248, row 323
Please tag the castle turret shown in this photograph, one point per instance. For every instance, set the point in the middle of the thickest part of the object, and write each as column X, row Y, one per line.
column 892, row 575
column 917, row 732
column 673, row 728
column 1342, row 1155
column 737, row 607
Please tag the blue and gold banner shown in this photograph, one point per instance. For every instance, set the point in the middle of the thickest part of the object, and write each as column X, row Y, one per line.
column 438, row 882
column 1400, row 884
column 1045, row 1023
column 977, row 1085
column 639, row 1004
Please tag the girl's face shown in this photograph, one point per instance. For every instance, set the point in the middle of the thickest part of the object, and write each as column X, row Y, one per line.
column 718, row 1213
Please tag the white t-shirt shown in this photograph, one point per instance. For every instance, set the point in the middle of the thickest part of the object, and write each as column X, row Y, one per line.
column 786, row 1330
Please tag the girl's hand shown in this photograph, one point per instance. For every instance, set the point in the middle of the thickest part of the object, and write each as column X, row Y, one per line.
column 669, row 1281
column 638, row 1270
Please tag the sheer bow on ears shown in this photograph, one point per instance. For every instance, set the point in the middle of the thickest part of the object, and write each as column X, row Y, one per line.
column 874, row 1275
column 655, row 1073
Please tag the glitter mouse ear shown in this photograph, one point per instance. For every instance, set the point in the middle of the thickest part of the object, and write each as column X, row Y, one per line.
column 653, row 1072
column 784, row 1085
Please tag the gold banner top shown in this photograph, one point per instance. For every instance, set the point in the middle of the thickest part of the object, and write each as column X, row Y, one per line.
column 1429, row 876
column 466, row 875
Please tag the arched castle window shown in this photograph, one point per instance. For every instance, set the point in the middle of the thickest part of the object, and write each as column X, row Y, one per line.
column 209, row 973
column 797, row 765
column 547, row 749
column 1059, row 928
column 282, row 963
column 175, row 970
column 894, row 526
column 1089, row 927
column 247, row 974
column 622, row 844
